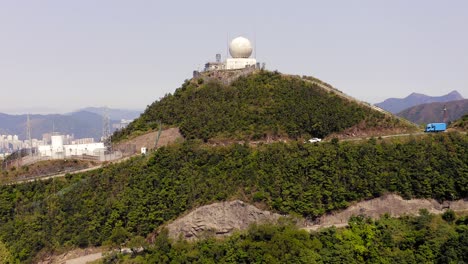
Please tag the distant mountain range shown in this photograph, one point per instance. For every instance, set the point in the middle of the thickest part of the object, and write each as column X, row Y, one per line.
column 433, row 112
column 114, row 114
column 85, row 123
column 396, row 105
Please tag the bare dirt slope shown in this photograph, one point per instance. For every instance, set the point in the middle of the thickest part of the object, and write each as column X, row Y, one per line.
column 392, row 204
column 74, row 256
column 148, row 140
column 218, row 219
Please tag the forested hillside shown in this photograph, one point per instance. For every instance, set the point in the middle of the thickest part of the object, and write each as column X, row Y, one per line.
column 262, row 104
column 133, row 198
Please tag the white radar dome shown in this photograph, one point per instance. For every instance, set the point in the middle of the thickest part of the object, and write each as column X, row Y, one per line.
column 240, row 47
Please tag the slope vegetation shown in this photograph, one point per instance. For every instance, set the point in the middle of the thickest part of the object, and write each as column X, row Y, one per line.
column 260, row 105
column 133, row 198
column 460, row 124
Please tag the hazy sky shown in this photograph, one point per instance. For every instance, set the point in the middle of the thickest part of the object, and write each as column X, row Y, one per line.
column 58, row 56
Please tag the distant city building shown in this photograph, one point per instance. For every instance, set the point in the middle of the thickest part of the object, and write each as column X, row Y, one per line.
column 11, row 143
column 123, row 124
column 60, row 146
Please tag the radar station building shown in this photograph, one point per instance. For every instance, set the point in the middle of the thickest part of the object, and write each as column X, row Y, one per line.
column 240, row 50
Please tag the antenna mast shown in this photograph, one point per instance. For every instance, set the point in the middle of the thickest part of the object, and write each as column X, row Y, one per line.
column 445, row 114
column 106, row 127
column 28, row 133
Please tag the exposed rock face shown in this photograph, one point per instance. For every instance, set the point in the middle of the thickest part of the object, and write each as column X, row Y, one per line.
column 218, row 219
column 392, row 204
column 221, row 219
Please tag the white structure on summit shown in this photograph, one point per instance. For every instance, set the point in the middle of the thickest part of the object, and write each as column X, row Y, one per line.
column 240, row 49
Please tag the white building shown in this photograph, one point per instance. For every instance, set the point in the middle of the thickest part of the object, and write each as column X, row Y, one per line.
column 240, row 49
column 58, row 150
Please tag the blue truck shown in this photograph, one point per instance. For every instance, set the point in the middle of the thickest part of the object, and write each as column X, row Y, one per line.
column 435, row 127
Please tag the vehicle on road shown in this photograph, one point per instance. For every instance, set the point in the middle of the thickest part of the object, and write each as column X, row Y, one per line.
column 435, row 127
column 314, row 140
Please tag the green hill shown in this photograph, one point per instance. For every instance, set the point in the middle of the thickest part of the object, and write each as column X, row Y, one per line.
column 119, row 202
column 258, row 106
column 135, row 197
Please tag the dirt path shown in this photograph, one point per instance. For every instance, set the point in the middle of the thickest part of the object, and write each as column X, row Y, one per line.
column 85, row 259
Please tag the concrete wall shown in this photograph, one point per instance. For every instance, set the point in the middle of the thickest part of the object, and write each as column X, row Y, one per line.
column 239, row 63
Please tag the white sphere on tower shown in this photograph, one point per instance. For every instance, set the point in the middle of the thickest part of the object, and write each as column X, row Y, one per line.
column 240, row 47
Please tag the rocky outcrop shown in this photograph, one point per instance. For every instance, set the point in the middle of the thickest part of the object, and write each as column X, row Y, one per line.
column 221, row 219
column 218, row 219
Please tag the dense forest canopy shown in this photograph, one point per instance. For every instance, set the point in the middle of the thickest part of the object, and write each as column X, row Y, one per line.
column 135, row 197
column 256, row 106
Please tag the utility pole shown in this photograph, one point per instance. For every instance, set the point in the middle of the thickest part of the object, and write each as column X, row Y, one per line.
column 445, row 114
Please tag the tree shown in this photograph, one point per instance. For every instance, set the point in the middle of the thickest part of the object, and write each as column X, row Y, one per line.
column 449, row 216
column 137, row 244
column 5, row 256
column 118, row 237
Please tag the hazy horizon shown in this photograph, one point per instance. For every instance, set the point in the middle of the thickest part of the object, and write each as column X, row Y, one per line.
column 50, row 111
column 58, row 56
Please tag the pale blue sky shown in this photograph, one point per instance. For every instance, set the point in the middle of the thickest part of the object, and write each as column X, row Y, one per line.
column 58, row 56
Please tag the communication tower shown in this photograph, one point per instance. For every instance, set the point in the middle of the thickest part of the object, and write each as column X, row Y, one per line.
column 106, row 134
column 445, row 114
column 28, row 133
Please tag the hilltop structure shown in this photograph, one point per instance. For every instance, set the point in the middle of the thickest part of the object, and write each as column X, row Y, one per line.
column 240, row 49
